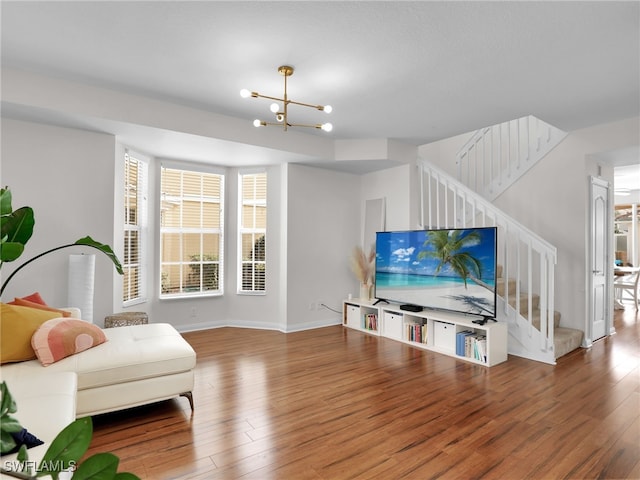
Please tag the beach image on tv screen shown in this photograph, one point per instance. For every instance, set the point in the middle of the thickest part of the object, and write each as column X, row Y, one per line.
column 450, row 269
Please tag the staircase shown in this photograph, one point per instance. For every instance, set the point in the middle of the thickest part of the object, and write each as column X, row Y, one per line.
column 527, row 262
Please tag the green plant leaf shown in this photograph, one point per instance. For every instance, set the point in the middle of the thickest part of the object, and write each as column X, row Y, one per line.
column 106, row 249
column 10, row 251
column 23, row 454
column 7, row 403
column 16, row 229
column 18, row 225
column 101, row 466
column 10, row 424
column 68, row 446
column 7, row 443
column 5, row 201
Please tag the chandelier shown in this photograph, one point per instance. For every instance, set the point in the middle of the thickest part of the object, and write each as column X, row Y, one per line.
column 281, row 110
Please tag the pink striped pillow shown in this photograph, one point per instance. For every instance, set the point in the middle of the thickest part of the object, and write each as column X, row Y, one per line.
column 58, row 338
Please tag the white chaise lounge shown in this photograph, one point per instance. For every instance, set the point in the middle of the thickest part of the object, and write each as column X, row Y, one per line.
column 139, row 364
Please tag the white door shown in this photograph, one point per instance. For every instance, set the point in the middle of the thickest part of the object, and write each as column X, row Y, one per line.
column 599, row 265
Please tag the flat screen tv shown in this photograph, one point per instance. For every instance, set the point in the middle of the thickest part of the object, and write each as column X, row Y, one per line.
column 445, row 269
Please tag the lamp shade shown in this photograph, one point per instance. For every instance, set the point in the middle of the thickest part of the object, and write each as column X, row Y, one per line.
column 81, row 284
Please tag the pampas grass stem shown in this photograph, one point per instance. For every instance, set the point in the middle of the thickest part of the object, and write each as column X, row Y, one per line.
column 362, row 264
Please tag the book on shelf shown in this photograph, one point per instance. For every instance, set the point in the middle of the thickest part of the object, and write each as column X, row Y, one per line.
column 481, row 348
column 416, row 332
column 461, row 342
column 370, row 321
column 471, row 344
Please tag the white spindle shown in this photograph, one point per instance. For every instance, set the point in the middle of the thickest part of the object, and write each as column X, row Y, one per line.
column 422, row 173
column 546, row 327
column 530, row 282
column 518, row 156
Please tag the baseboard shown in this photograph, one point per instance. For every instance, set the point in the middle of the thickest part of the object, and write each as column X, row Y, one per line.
column 258, row 325
column 312, row 325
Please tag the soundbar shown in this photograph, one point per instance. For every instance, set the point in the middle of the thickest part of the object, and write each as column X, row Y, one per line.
column 411, row 308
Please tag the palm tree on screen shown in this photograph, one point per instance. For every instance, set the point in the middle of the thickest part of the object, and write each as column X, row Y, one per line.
column 449, row 249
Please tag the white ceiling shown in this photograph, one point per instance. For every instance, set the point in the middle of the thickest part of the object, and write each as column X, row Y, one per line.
column 414, row 72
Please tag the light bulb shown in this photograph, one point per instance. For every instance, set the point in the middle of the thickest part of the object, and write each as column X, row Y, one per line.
column 280, row 117
column 327, row 127
column 328, row 109
column 257, row 123
column 274, row 107
column 244, row 93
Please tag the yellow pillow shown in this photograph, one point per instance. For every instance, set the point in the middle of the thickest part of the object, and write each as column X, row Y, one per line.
column 17, row 326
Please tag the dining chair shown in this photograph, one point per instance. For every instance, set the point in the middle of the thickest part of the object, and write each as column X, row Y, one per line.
column 628, row 283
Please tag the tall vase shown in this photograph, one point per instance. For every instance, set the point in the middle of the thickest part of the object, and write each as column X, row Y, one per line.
column 365, row 291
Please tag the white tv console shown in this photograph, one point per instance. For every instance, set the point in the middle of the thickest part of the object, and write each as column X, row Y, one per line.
column 432, row 330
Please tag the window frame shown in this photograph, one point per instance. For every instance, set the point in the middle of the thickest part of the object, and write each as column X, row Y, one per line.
column 253, row 230
column 141, row 227
column 220, row 231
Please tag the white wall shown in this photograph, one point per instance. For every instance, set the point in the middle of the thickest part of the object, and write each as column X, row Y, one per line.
column 395, row 185
column 67, row 177
column 257, row 311
column 322, row 229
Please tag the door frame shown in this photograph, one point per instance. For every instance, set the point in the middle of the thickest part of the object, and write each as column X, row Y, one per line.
column 608, row 242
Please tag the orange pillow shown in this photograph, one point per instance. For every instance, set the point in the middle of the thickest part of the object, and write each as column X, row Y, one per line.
column 17, row 326
column 26, row 303
column 36, row 298
column 62, row 337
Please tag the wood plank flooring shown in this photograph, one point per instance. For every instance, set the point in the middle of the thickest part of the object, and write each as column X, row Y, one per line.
column 333, row 403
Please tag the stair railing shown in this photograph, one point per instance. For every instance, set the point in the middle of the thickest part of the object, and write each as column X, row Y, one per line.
column 524, row 256
column 496, row 156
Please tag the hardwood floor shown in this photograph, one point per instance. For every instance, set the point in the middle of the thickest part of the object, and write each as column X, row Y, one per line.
column 334, row 403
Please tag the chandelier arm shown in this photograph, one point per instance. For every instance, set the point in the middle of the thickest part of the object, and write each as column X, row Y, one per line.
column 258, row 95
column 317, row 107
column 317, row 125
column 278, row 124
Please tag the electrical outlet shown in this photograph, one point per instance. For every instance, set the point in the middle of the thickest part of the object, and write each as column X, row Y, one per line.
column 312, row 306
column 194, row 312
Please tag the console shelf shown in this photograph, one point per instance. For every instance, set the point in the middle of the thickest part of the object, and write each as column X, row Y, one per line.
column 443, row 332
column 361, row 315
